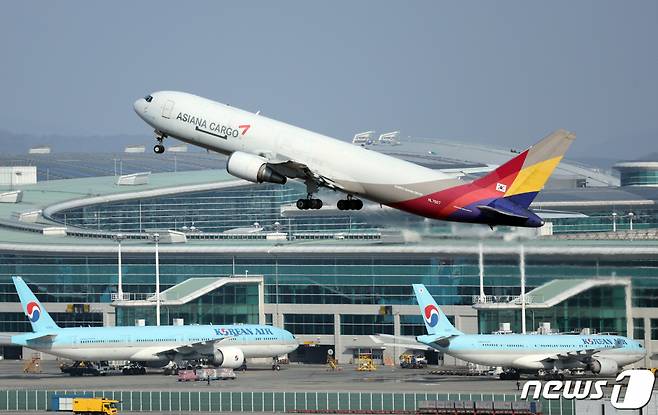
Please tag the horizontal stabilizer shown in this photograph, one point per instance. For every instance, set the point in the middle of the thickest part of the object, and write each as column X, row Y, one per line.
column 502, row 215
column 401, row 342
column 39, row 336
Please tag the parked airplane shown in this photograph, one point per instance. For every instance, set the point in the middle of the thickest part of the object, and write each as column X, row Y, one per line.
column 264, row 150
column 549, row 355
column 223, row 345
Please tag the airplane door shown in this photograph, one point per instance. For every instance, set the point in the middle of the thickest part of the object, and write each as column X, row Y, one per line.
column 167, row 109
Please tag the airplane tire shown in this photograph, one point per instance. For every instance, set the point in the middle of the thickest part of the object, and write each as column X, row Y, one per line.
column 341, row 205
column 303, row 204
column 158, row 149
column 357, row 204
column 315, row 203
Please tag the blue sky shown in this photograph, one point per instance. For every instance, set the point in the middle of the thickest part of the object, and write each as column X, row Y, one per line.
column 504, row 73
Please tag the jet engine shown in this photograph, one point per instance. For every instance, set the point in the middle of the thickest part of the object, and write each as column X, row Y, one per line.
column 231, row 357
column 604, row 367
column 253, row 168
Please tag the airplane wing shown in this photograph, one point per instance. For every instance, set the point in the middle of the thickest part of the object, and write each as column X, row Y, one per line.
column 294, row 170
column 286, row 166
column 202, row 347
column 582, row 355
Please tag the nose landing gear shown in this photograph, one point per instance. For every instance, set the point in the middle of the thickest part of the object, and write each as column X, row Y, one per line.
column 159, row 148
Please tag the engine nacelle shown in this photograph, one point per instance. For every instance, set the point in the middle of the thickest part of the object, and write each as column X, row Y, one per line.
column 604, row 367
column 231, row 357
column 253, row 168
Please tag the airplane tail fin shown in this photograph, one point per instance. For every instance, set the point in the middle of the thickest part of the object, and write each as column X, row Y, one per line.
column 35, row 312
column 520, row 179
column 435, row 321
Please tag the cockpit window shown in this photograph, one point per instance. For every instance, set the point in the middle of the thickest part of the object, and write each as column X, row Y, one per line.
column 148, row 98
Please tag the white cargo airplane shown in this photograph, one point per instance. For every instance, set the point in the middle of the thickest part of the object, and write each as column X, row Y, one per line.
column 264, row 150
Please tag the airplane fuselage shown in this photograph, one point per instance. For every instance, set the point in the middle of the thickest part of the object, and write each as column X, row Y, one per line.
column 145, row 343
column 535, row 352
column 353, row 170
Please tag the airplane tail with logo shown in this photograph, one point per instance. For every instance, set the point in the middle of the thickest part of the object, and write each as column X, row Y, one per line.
column 435, row 321
column 35, row 312
column 520, row 179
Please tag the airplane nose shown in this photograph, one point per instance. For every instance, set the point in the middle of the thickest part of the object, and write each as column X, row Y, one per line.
column 139, row 106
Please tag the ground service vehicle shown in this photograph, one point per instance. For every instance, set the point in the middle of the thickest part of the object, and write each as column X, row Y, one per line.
column 188, row 375
column 410, row 361
column 82, row 368
column 94, row 406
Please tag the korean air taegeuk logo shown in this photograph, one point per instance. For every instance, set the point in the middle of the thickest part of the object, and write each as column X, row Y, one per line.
column 431, row 315
column 33, row 311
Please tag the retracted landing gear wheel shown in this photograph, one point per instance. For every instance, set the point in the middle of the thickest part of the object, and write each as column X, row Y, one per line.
column 158, row 149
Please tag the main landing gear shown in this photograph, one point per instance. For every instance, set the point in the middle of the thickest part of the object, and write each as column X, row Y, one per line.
column 510, row 374
column 309, row 203
column 349, row 204
column 159, row 148
column 275, row 364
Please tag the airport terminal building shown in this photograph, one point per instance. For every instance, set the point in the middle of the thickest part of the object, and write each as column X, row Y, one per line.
column 235, row 252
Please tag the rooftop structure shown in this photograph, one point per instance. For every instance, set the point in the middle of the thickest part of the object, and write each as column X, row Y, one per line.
column 642, row 172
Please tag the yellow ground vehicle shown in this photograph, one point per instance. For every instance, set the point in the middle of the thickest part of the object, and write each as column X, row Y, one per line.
column 94, row 406
column 365, row 363
column 411, row 361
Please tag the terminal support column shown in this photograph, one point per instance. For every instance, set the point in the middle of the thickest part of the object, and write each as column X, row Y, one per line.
column 338, row 348
column 397, row 331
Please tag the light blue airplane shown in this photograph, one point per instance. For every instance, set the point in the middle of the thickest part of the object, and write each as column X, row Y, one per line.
column 531, row 353
column 224, row 345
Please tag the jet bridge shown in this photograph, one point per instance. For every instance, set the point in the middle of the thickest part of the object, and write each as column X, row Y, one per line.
column 192, row 298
